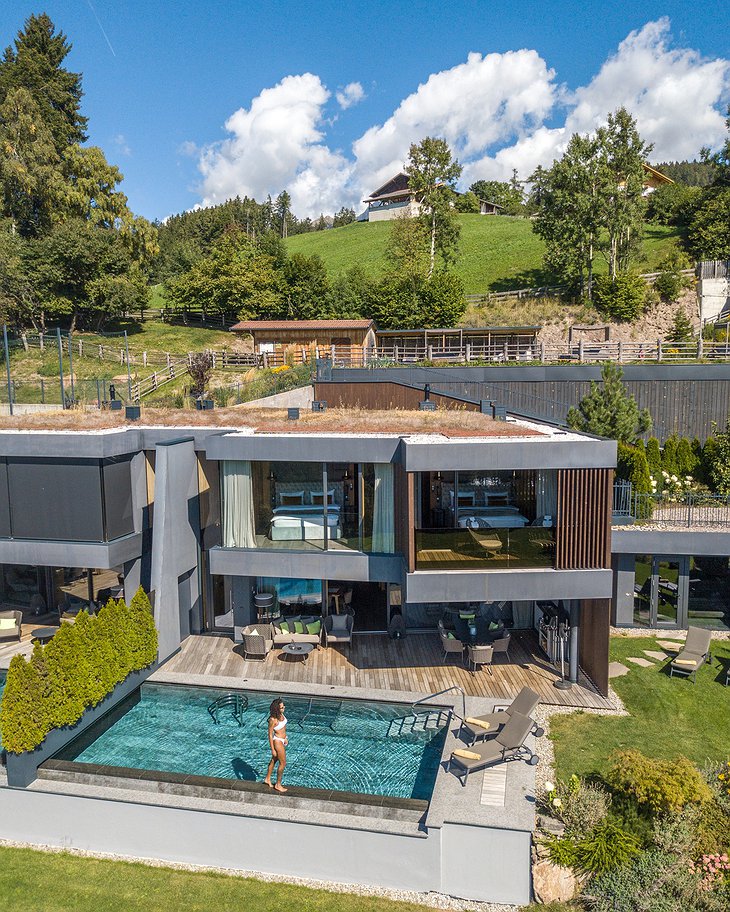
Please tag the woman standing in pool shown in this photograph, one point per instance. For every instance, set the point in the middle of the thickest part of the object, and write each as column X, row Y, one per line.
column 277, row 742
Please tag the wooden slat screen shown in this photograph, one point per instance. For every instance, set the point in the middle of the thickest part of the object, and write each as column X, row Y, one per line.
column 584, row 519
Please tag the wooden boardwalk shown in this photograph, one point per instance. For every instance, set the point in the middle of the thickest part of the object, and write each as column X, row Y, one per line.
column 413, row 664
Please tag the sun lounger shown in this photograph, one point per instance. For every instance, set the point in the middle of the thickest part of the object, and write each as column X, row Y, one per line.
column 480, row 727
column 694, row 655
column 508, row 745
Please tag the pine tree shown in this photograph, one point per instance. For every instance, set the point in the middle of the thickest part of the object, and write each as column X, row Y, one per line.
column 34, row 63
column 608, row 410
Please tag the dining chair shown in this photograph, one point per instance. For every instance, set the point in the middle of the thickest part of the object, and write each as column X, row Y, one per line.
column 480, row 655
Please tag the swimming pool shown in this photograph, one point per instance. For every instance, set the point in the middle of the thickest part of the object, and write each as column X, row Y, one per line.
column 343, row 745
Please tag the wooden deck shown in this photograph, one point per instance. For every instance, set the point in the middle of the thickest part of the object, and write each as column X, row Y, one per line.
column 413, row 665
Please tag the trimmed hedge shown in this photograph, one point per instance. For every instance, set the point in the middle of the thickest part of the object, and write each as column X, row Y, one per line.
column 75, row 671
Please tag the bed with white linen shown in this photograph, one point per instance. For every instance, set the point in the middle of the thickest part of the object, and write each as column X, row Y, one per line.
column 304, row 522
column 491, row 518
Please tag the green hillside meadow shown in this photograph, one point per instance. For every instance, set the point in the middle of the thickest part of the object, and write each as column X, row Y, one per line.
column 497, row 252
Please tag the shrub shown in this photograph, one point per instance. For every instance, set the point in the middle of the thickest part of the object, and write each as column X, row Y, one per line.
column 622, row 298
column 669, row 455
column 655, row 881
column 670, row 283
column 74, row 671
column 654, row 456
column 583, row 805
column 662, row 785
column 609, row 846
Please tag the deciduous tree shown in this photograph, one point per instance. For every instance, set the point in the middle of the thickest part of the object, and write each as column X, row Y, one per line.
column 432, row 175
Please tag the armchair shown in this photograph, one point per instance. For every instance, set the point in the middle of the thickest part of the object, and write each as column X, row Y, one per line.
column 258, row 640
column 338, row 629
column 10, row 631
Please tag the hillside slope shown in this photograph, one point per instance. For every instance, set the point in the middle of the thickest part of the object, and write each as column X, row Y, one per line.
column 497, row 252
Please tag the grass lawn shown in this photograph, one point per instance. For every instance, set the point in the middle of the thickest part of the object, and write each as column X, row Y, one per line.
column 497, row 252
column 667, row 716
column 43, row 882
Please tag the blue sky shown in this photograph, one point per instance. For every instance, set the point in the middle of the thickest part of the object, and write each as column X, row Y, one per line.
column 162, row 80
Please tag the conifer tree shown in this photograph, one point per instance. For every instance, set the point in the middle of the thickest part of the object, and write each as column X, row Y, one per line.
column 608, row 410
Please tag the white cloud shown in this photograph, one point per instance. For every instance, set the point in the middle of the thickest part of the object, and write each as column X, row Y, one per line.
column 497, row 111
column 123, row 147
column 276, row 144
column 352, row 93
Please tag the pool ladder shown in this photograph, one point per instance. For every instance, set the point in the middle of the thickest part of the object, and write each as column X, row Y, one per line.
column 433, row 716
column 422, row 721
column 238, row 704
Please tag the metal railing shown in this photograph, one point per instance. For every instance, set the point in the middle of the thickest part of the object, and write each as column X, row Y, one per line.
column 440, row 693
column 693, row 509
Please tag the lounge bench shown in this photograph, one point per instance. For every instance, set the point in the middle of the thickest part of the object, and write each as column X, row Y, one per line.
column 508, row 745
column 10, row 631
column 694, row 654
column 486, row 726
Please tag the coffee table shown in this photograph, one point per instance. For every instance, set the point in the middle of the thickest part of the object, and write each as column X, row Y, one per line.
column 44, row 634
column 298, row 650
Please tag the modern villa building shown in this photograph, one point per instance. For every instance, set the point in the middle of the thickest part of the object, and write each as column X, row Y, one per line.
column 410, row 516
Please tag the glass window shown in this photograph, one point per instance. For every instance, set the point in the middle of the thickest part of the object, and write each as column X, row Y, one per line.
column 308, row 506
column 709, row 592
column 642, row 590
column 118, row 497
column 486, row 519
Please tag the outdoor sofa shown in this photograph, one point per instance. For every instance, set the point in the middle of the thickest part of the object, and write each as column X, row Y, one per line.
column 8, row 630
column 508, row 745
column 694, row 654
column 297, row 630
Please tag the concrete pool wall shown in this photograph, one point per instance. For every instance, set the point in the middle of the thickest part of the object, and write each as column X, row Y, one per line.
column 471, row 862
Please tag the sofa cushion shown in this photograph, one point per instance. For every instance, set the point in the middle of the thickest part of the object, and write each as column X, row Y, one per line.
column 7, row 624
column 298, row 627
column 314, row 627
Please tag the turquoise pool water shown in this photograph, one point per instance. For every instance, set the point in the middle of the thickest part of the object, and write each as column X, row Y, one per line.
column 347, row 745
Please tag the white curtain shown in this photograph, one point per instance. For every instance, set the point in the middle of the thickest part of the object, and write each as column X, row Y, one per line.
column 238, row 517
column 383, row 510
column 547, row 493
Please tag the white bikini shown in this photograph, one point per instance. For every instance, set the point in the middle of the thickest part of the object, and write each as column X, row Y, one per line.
column 277, row 727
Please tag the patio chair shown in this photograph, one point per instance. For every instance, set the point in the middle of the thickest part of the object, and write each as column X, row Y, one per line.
column 258, row 640
column 501, row 646
column 694, row 654
column 480, row 655
column 524, row 704
column 450, row 643
column 8, row 630
column 338, row 629
column 508, row 745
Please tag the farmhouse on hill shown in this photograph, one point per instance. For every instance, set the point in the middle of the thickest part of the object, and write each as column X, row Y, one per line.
column 395, row 199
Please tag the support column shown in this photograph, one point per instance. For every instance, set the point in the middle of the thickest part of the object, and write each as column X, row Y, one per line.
column 575, row 620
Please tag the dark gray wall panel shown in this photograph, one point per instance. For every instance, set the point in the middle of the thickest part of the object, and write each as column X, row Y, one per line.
column 118, row 497
column 58, row 501
column 685, row 399
column 4, row 501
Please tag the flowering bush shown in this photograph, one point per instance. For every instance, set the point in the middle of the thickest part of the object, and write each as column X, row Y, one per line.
column 723, row 778
column 712, row 870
